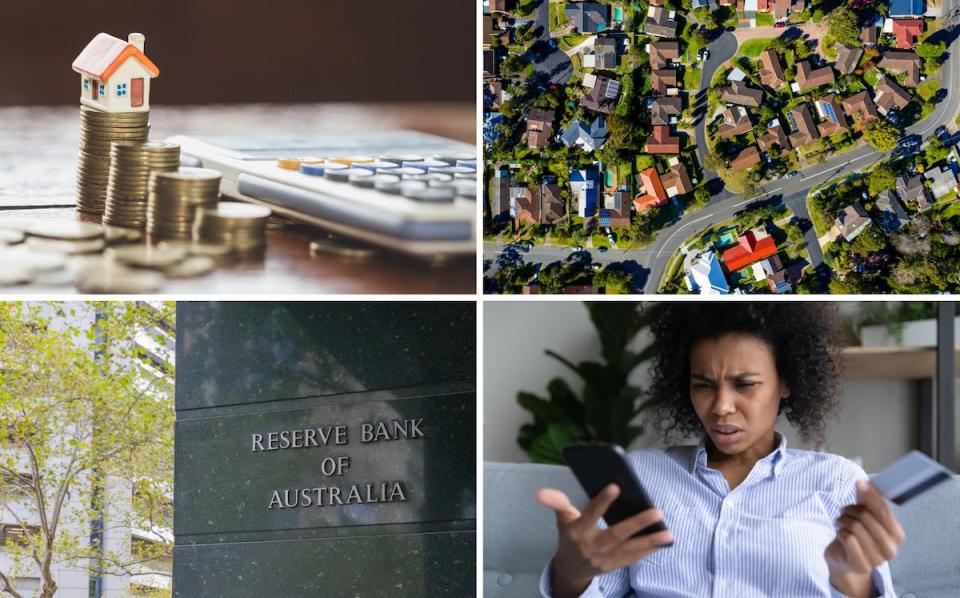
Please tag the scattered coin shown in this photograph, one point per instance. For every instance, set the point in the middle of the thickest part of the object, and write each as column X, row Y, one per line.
column 109, row 277
column 342, row 248
column 193, row 266
column 146, row 256
column 66, row 246
column 68, row 230
column 15, row 274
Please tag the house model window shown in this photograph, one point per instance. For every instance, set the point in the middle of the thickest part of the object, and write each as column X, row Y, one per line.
column 112, row 63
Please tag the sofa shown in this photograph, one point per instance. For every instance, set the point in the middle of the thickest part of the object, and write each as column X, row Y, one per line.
column 519, row 535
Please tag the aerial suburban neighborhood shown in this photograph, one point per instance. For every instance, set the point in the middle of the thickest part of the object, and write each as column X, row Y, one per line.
column 720, row 146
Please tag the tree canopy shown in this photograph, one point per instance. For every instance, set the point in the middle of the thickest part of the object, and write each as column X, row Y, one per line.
column 882, row 135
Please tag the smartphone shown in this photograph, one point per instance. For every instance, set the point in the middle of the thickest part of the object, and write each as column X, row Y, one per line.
column 596, row 466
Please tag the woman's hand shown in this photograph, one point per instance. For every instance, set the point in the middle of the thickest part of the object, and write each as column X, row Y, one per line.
column 585, row 551
column 867, row 535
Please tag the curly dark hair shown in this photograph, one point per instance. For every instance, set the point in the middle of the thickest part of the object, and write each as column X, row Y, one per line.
column 804, row 337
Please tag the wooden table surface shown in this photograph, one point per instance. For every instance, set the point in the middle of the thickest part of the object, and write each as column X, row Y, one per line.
column 38, row 155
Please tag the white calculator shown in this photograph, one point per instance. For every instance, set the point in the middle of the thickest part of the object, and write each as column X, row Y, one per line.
column 406, row 190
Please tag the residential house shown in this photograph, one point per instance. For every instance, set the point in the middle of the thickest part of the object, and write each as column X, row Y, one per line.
column 738, row 92
column 804, row 129
column 500, row 194
column 664, row 81
column 834, row 120
column 663, row 53
column 868, row 34
column 602, row 55
column 942, row 181
column 851, row 222
column 912, row 190
column 676, row 180
column 661, row 22
column 652, row 194
column 588, row 17
column 860, row 107
column 907, row 8
column 751, row 247
column 489, row 63
column 889, row 95
column 900, row 61
column 810, row 78
column 736, row 121
column 747, row 158
column 775, row 136
column 588, row 137
column 602, row 94
column 784, row 8
column 665, row 110
column 704, row 274
column 585, row 186
column 615, row 212
column 539, row 127
column 525, row 205
column 115, row 74
column 771, row 73
column 500, row 5
column 907, row 31
column 779, row 278
column 552, row 206
column 848, row 57
column 662, row 141
column 892, row 215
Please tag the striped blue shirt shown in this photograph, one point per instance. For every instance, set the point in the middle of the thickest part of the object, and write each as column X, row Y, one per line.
column 766, row 537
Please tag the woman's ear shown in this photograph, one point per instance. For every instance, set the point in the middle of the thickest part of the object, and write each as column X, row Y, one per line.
column 784, row 392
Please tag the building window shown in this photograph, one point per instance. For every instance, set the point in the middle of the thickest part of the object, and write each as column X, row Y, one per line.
column 86, row 83
column 103, row 89
column 11, row 535
column 121, row 89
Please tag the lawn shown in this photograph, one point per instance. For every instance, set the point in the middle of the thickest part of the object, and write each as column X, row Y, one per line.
column 558, row 15
column 600, row 240
column 691, row 78
column 765, row 19
column 754, row 47
column 871, row 77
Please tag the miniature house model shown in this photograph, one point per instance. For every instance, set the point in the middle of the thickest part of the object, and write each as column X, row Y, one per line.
column 115, row 74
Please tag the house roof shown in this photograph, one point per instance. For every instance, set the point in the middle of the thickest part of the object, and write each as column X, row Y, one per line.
column 104, row 55
column 662, row 141
column 834, row 120
column 868, row 34
column 847, row 57
column 749, row 249
column 747, row 157
column 539, row 127
column 704, row 274
column 553, row 207
column 588, row 17
column 902, row 61
column 602, row 96
column 775, row 135
column 900, row 8
column 589, row 136
column 860, row 106
column 662, row 108
column 942, row 179
column 771, row 72
column 660, row 22
column 662, row 52
column 663, row 79
column 889, row 95
column 850, row 219
column 654, row 193
column 740, row 93
column 526, row 203
column 805, row 130
column 892, row 215
column 676, row 181
column 736, row 121
column 809, row 77
column 906, row 30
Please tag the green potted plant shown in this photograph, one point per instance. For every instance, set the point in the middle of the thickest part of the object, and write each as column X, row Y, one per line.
column 607, row 408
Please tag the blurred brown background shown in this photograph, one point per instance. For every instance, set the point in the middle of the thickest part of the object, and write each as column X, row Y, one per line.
column 251, row 51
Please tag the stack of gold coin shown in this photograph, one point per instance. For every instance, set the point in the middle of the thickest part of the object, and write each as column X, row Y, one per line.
column 98, row 129
column 130, row 166
column 240, row 226
column 174, row 197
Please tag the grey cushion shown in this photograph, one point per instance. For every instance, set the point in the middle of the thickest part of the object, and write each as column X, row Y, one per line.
column 519, row 535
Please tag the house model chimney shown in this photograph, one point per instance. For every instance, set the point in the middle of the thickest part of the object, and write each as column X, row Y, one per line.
column 137, row 40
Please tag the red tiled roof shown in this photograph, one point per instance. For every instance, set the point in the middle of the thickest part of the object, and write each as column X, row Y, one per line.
column 662, row 141
column 906, row 30
column 748, row 250
column 655, row 195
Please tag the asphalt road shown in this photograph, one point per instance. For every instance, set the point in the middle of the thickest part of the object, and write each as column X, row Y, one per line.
column 793, row 192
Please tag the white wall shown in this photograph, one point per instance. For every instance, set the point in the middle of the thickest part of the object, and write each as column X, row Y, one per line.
column 877, row 423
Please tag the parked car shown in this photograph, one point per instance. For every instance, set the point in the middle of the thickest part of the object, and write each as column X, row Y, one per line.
column 779, row 25
column 576, row 249
column 792, row 174
column 602, row 249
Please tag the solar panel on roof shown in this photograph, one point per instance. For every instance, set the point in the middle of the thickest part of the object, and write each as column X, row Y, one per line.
column 828, row 110
column 613, row 88
column 604, row 218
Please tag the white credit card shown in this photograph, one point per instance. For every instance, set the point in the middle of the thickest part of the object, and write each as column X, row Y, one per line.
column 910, row 476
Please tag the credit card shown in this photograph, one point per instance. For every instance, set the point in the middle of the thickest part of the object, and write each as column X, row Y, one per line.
column 910, row 476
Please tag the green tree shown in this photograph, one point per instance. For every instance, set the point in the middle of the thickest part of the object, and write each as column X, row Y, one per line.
column 701, row 195
column 882, row 135
column 86, row 422
column 870, row 241
column 930, row 50
column 935, row 151
column 614, row 282
column 842, row 24
column 928, row 89
column 883, row 177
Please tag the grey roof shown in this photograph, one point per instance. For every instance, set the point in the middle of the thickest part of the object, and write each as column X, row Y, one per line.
column 943, row 181
column 892, row 215
column 591, row 136
column 588, row 17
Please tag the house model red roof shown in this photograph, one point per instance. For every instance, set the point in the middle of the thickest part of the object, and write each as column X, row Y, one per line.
column 104, row 55
column 906, row 30
column 748, row 250
column 654, row 193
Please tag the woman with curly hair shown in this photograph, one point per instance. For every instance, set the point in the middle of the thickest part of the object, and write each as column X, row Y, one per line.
column 746, row 515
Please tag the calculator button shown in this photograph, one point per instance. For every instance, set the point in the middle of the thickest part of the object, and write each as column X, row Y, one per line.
column 453, row 158
column 468, row 163
column 466, row 189
column 377, row 165
column 425, row 165
column 405, row 172
column 342, row 175
column 413, row 190
column 312, row 169
column 289, row 163
column 362, row 180
column 400, row 158
column 452, row 170
column 350, row 160
column 434, row 177
column 387, row 183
